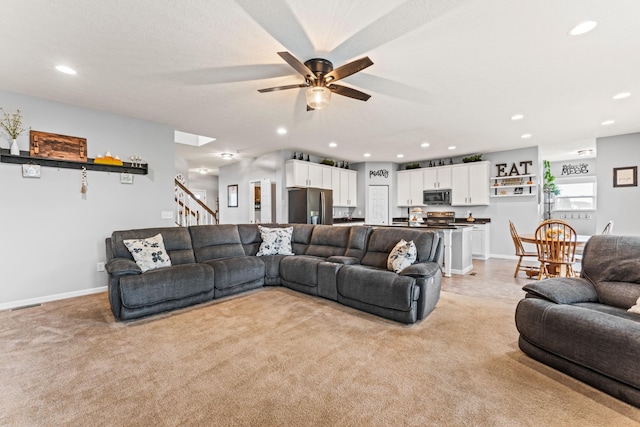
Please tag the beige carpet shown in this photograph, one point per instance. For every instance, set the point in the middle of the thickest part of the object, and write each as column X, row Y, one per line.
column 278, row 357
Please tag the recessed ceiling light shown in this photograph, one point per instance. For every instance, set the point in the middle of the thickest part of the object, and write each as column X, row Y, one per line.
column 65, row 69
column 517, row 117
column 333, row 144
column 424, row 144
column 203, row 171
column 367, row 154
column 622, row 95
column 452, row 147
column 585, row 152
column 607, row 122
column 281, row 131
column 526, row 136
column 400, row 156
column 226, row 156
column 583, row 27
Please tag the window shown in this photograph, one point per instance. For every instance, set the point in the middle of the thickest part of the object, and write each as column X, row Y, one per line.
column 576, row 196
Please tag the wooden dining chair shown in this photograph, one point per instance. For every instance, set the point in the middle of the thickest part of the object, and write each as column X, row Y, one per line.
column 520, row 252
column 556, row 243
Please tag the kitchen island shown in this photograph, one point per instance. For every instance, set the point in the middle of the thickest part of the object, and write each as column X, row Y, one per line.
column 457, row 245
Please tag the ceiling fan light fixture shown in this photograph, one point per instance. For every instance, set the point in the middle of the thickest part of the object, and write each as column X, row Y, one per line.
column 318, row 97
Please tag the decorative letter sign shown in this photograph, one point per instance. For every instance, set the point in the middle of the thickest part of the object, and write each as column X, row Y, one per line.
column 514, row 170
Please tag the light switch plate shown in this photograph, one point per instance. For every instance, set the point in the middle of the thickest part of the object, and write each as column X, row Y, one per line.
column 167, row 215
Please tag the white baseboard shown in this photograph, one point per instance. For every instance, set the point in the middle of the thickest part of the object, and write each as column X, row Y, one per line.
column 49, row 298
column 463, row 271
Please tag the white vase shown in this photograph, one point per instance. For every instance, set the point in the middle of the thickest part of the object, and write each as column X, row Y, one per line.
column 15, row 150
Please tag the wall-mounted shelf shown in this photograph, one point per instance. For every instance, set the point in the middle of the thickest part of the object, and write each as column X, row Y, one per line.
column 24, row 158
column 513, row 186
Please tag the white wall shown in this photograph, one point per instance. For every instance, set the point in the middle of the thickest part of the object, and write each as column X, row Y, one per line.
column 241, row 173
column 53, row 235
column 620, row 204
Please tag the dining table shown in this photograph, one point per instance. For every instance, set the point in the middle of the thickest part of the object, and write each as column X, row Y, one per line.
column 581, row 240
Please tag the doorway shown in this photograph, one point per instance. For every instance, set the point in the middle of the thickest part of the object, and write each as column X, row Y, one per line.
column 262, row 207
column 378, row 209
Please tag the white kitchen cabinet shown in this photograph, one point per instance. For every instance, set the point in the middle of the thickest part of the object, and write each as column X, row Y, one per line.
column 480, row 241
column 437, row 178
column 344, row 184
column 410, row 187
column 306, row 174
column 469, row 184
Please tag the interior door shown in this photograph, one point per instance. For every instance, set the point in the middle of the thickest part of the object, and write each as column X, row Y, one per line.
column 378, row 205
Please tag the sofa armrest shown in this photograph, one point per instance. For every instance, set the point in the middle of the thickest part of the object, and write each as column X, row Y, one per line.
column 423, row 269
column 563, row 290
column 122, row 267
column 345, row 260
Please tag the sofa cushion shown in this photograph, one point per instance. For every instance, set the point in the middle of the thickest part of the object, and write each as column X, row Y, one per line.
column 563, row 290
column 275, row 241
column 148, row 253
column 177, row 242
column 402, row 256
column 382, row 241
column 377, row 287
column 358, row 239
column 216, row 241
column 230, row 272
column 327, row 240
column 612, row 264
column 166, row 284
column 301, row 269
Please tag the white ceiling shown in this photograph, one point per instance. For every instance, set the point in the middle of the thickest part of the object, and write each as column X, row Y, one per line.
column 447, row 72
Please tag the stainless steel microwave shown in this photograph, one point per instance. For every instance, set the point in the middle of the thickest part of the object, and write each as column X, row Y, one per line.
column 437, row 197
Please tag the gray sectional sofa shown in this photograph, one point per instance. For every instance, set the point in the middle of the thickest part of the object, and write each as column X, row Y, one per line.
column 343, row 264
column 582, row 326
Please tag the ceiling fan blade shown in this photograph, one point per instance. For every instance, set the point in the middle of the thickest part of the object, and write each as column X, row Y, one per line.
column 273, row 89
column 298, row 66
column 347, row 91
column 348, row 69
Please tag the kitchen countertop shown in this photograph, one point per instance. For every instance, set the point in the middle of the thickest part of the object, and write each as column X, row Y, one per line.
column 432, row 227
column 456, row 221
column 347, row 220
column 477, row 221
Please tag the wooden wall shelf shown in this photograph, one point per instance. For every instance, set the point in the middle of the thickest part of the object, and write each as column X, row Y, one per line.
column 24, row 158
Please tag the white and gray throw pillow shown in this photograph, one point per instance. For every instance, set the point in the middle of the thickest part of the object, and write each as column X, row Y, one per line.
column 636, row 308
column 275, row 241
column 149, row 253
column 402, row 256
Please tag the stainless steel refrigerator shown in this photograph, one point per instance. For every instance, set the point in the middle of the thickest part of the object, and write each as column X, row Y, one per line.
column 310, row 206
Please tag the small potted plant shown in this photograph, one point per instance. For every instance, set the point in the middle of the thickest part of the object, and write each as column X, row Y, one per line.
column 12, row 125
column 412, row 166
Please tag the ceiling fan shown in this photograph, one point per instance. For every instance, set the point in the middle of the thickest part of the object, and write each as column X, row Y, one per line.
column 320, row 76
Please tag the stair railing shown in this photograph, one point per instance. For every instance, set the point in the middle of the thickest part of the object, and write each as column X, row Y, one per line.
column 189, row 210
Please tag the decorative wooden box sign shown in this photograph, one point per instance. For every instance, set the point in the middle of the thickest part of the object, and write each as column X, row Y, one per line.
column 60, row 147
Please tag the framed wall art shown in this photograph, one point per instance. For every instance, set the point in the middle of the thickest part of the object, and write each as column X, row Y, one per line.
column 232, row 196
column 625, row 177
